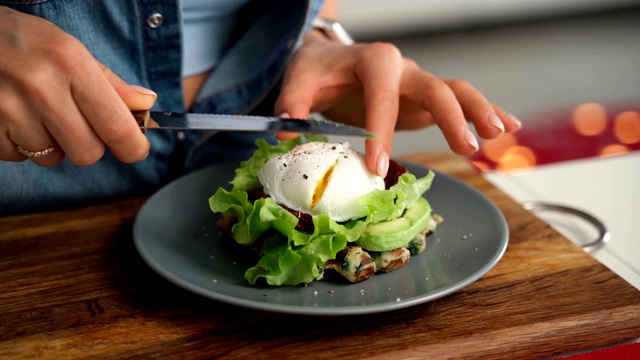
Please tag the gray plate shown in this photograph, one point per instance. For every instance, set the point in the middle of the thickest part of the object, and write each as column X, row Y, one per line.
column 176, row 234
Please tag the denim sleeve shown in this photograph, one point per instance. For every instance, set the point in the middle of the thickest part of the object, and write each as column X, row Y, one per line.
column 118, row 33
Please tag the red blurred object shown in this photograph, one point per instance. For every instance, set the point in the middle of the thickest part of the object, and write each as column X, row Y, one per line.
column 620, row 352
column 582, row 131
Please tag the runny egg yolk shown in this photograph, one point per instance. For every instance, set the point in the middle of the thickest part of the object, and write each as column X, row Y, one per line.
column 321, row 186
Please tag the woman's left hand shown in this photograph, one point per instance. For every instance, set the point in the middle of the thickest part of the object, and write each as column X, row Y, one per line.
column 375, row 87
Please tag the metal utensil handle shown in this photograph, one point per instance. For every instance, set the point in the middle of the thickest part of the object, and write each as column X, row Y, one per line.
column 142, row 118
column 603, row 233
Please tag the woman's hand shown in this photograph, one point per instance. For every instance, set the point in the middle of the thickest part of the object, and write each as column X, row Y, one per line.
column 55, row 94
column 374, row 86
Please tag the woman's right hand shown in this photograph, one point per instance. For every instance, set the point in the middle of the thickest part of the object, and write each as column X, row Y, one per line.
column 56, row 94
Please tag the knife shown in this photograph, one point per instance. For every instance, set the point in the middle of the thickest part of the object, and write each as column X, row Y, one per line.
column 186, row 121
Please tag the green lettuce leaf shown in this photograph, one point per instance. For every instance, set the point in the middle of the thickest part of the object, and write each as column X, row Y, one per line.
column 390, row 204
column 289, row 256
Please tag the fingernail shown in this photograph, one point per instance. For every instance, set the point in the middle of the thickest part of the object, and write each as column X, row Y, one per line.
column 383, row 164
column 471, row 139
column 495, row 121
column 284, row 115
column 144, row 90
column 515, row 120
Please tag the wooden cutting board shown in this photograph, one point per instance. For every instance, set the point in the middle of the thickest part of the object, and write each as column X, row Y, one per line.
column 73, row 286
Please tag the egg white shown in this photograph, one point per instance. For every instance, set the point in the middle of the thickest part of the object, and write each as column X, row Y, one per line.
column 334, row 172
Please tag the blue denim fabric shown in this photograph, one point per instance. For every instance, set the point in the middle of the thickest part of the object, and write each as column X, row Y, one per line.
column 116, row 33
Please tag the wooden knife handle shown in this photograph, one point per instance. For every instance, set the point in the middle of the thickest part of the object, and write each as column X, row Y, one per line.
column 142, row 118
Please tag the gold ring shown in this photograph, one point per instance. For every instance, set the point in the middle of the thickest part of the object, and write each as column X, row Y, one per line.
column 34, row 154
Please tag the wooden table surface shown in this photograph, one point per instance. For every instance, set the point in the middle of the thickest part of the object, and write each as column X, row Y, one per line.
column 73, row 286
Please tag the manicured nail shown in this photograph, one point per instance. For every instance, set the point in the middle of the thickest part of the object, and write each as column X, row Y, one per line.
column 515, row 120
column 495, row 121
column 144, row 90
column 471, row 139
column 285, row 115
column 383, row 164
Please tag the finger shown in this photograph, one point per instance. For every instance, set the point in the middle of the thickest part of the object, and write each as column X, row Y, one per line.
column 477, row 109
column 380, row 70
column 286, row 135
column 35, row 142
column 438, row 99
column 8, row 150
column 295, row 101
column 10, row 112
column 26, row 137
column 71, row 131
column 49, row 156
column 134, row 96
column 511, row 123
column 109, row 116
column 39, row 147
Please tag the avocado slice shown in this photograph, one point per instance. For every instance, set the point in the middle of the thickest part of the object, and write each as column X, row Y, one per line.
column 389, row 235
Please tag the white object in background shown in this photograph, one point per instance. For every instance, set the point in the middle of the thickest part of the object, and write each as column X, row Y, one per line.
column 607, row 188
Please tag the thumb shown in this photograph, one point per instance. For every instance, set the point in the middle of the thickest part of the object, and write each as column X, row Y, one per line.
column 134, row 96
column 137, row 97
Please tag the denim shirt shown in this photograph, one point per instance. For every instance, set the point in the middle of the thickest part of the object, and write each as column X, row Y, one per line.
column 140, row 41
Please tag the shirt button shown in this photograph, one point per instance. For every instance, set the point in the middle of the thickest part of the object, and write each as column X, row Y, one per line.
column 155, row 20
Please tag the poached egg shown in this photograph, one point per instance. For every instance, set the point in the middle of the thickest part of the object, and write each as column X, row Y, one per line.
column 320, row 177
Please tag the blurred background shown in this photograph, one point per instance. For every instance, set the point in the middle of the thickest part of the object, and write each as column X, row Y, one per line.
column 532, row 57
column 569, row 70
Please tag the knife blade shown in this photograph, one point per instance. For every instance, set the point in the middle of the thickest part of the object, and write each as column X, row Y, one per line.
column 190, row 121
